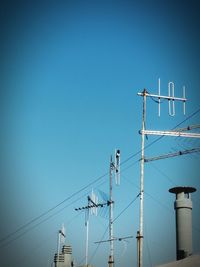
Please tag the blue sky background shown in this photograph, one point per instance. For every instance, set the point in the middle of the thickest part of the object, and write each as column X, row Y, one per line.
column 70, row 73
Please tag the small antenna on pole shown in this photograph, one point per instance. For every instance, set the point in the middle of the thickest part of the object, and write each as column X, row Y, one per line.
column 93, row 206
column 94, row 200
column 171, row 98
column 61, row 238
column 63, row 235
column 117, row 166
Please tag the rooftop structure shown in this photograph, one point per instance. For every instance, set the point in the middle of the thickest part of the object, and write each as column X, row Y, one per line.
column 64, row 259
column 183, row 208
column 191, row 261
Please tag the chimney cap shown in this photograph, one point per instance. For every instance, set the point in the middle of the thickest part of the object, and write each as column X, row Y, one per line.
column 180, row 189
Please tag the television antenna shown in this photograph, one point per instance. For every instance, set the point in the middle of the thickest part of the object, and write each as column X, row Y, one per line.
column 114, row 170
column 91, row 208
column 171, row 110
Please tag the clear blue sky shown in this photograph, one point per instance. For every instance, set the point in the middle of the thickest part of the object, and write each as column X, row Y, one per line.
column 70, row 72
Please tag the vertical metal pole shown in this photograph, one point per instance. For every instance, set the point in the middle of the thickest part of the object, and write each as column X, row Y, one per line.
column 138, row 246
column 184, row 101
column 58, row 251
column 87, row 239
column 111, row 256
column 140, row 254
column 87, row 235
column 159, row 97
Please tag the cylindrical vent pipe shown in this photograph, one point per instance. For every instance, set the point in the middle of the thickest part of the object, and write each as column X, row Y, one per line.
column 183, row 208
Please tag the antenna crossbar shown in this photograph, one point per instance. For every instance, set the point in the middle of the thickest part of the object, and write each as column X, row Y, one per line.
column 101, row 205
column 164, row 97
column 175, row 154
column 113, row 239
column 170, row 133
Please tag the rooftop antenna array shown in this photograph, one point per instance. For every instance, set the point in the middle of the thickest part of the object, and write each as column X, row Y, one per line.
column 171, row 98
column 92, row 206
column 117, row 166
column 171, row 110
column 114, row 170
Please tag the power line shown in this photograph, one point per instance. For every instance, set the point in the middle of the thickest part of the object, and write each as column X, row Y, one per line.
column 148, row 194
column 44, row 220
column 51, row 209
column 39, row 223
column 126, row 207
column 85, row 187
column 101, row 241
column 163, row 174
column 99, row 244
column 159, row 138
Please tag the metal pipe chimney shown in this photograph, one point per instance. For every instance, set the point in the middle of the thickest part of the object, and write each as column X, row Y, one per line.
column 183, row 208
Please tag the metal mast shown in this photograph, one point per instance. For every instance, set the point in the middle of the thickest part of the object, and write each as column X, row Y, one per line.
column 87, row 214
column 114, row 169
column 111, row 256
column 58, row 248
column 171, row 99
column 140, row 232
